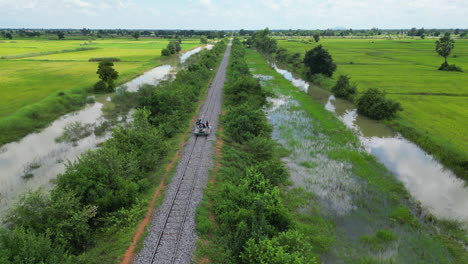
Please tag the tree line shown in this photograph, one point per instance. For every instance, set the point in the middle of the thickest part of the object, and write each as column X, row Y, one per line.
column 109, row 33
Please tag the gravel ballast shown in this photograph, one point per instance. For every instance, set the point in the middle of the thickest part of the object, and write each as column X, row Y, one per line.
column 172, row 236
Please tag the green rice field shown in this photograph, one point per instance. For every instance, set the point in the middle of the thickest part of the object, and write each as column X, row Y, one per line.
column 27, row 77
column 41, row 80
column 435, row 102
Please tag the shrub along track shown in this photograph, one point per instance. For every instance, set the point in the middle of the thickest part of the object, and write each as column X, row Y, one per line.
column 171, row 236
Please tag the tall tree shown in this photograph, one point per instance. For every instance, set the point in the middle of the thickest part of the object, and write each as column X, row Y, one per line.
column 316, row 37
column 318, row 60
column 136, row 35
column 444, row 46
column 107, row 74
column 60, row 35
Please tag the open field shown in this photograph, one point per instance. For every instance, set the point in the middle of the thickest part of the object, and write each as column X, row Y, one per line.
column 324, row 154
column 30, row 79
column 434, row 102
column 34, row 73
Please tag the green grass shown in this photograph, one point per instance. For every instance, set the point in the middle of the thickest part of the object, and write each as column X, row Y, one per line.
column 434, row 102
column 31, row 81
column 384, row 209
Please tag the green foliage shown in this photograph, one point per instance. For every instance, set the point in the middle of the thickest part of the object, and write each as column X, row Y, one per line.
column 444, row 46
column 380, row 240
column 253, row 224
column 252, row 209
column 173, row 47
column 203, row 40
column 172, row 101
column 60, row 215
column 285, row 248
column 136, row 35
column 108, row 75
column 100, row 192
column 318, row 60
column 245, row 88
column 60, row 35
column 111, row 177
column 101, row 87
column 24, row 247
column 316, row 37
column 343, row 89
column 262, row 42
column 243, row 123
column 451, row 67
column 373, row 103
column 165, row 52
column 403, row 215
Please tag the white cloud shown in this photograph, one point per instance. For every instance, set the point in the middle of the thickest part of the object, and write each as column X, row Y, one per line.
column 225, row 14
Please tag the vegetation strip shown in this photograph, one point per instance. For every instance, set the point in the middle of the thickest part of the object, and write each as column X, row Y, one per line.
column 91, row 214
column 373, row 209
column 411, row 69
column 252, row 223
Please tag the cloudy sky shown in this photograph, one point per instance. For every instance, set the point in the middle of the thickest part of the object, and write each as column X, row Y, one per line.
column 233, row 14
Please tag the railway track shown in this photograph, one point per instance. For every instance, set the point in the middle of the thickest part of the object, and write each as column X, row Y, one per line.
column 172, row 236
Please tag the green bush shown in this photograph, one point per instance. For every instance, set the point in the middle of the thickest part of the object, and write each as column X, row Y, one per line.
column 244, row 89
column 373, row 103
column 285, row 248
column 59, row 214
column 252, row 209
column 101, row 87
column 165, row 52
column 243, row 123
column 20, row 246
column 343, row 89
column 450, row 67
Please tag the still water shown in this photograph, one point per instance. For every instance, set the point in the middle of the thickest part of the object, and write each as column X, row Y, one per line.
column 436, row 187
column 36, row 159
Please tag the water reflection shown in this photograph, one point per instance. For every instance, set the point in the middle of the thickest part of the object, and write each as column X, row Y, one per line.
column 150, row 77
column 437, row 188
column 40, row 158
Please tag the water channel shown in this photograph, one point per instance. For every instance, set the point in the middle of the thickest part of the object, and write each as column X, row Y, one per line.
column 36, row 159
column 437, row 188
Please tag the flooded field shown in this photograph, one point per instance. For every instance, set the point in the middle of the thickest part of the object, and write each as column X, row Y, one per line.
column 35, row 160
column 438, row 189
column 360, row 176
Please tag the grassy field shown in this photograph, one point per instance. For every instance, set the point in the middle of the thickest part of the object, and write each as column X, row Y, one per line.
column 33, row 72
column 434, row 102
column 316, row 140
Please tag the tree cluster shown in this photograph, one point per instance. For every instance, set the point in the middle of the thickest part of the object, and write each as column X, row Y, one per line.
column 172, row 48
column 374, row 104
column 261, row 41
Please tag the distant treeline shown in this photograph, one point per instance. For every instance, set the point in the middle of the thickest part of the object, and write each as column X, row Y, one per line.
column 362, row 32
column 211, row 34
column 107, row 33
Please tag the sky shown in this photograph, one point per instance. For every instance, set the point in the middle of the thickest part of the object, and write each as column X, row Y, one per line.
column 233, row 14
